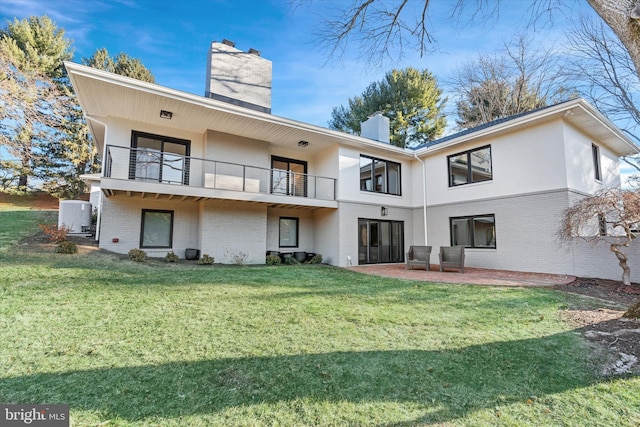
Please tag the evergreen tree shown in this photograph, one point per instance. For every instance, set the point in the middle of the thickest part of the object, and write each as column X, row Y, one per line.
column 410, row 98
column 31, row 54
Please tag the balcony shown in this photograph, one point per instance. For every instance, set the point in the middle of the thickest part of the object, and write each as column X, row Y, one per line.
column 148, row 172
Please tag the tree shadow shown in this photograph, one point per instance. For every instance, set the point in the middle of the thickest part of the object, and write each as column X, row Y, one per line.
column 448, row 384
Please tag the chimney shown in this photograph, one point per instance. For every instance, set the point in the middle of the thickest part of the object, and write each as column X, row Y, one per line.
column 376, row 127
column 237, row 77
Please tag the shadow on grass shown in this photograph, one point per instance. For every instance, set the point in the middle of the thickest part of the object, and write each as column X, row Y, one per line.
column 447, row 384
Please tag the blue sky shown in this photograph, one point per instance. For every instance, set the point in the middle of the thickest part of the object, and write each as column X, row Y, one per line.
column 172, row 37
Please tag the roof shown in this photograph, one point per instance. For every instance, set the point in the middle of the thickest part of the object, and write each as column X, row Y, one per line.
column 577, row 112
column 103, row 95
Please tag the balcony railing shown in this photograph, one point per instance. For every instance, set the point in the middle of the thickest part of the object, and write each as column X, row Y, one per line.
column 148, row 165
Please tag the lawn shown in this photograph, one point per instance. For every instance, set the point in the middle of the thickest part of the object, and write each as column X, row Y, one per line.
column 157, row 344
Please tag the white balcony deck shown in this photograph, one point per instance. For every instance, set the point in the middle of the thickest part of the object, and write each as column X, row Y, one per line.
column 164, row 176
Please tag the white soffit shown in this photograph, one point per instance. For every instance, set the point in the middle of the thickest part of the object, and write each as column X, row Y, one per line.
column 104, row 94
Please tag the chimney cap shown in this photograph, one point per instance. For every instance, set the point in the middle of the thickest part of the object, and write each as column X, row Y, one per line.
column 254, row 52
column 377, row 113
column 228, row 43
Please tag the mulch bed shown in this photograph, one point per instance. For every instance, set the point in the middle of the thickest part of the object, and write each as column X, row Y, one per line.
column 616, row 338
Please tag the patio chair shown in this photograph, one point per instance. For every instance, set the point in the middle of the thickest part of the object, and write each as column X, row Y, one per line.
column 419, row 256
column 452, row 257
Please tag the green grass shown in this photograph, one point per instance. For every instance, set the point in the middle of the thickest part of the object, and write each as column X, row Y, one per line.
column 149, row 344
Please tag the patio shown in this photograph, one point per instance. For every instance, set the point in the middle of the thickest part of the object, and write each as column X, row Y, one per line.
column 471, row 276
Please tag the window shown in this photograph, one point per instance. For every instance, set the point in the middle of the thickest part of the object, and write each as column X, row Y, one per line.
column 288, row 232
column 602, row 225
column 470, row 166
column 379, row 176
column 157, row 229
column 595, row 152
column 159, row 158
column 288, row 177
column 474, row 231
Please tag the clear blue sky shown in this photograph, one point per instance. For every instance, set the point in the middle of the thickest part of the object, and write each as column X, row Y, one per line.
column 172, row 37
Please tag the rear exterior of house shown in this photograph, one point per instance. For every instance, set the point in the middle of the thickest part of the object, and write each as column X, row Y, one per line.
column 222, row 175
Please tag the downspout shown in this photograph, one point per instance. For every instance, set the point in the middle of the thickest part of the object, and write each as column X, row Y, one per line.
column 424, row 196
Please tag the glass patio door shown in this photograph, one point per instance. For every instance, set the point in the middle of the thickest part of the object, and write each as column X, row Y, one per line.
column 159, row 159
column 380, row 241
column 288, row 177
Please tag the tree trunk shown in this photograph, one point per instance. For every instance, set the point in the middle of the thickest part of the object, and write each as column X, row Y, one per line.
column 627, row 29
column 633, row 312
column 622, row 260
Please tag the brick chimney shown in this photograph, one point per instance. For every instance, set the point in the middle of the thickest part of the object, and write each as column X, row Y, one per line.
column 376, row 127
column 237, row 77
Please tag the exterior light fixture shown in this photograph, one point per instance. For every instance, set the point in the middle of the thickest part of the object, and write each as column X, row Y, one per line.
column 303, row 143
column 383, row 211
column 164, row 114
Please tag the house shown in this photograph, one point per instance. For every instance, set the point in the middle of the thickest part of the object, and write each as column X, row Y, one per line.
column 221, row 174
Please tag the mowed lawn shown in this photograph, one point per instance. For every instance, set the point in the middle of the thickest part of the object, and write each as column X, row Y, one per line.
column 157, row 344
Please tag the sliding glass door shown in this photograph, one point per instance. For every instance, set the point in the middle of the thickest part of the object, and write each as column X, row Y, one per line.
column 160, row 159
column 380, row 241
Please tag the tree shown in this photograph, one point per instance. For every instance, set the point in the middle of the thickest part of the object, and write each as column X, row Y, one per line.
column 410, row 98
column 121, row 64
column 610, row 216
column 516, row 80
column 31, row 56
column 386, row 28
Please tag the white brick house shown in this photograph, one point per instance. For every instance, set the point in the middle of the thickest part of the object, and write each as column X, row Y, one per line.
column 221, row 173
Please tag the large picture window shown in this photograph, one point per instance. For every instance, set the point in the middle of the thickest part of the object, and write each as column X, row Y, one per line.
column 474, row 231
column 288, row 232
column 470, row 166
column 157, row 229
column 159, row 158
column 379, row 176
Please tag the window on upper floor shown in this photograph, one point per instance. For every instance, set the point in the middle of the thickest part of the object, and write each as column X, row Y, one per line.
column 478, row 231
column 157, row 229
column 379, row 176
column 470, row 166
column 595, row 153
column 159, row 158
column 288, row 176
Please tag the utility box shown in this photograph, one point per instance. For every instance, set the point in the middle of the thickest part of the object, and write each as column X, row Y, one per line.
column 75, row 214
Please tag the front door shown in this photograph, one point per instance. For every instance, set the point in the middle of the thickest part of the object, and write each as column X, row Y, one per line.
column 380, row 241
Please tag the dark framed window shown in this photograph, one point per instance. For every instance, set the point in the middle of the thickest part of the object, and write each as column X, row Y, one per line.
column 288, row 176
column 595, row 153
column 477, row 231
column 602, row 225
column 379, row 176
column 470, row 166
column 159, row 158
column 157, row 229
column 288, row 232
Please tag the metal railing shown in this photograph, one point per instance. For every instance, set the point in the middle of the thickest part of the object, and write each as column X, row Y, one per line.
column 148, row 165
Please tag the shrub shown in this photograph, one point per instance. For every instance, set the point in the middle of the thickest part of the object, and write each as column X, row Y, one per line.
column 206, row 260
column 236, row 257
column 273, row 260
column 317, row 259
column 137, row 255
column 171, row 257
column 56, row 234
column 66, row 248
column 291, row 261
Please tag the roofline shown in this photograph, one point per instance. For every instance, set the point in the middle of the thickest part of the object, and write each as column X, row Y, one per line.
column 75, row 69
column 533, row 117
column 153, row 88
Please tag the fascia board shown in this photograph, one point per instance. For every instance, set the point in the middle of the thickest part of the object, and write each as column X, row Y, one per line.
column 341, row 137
